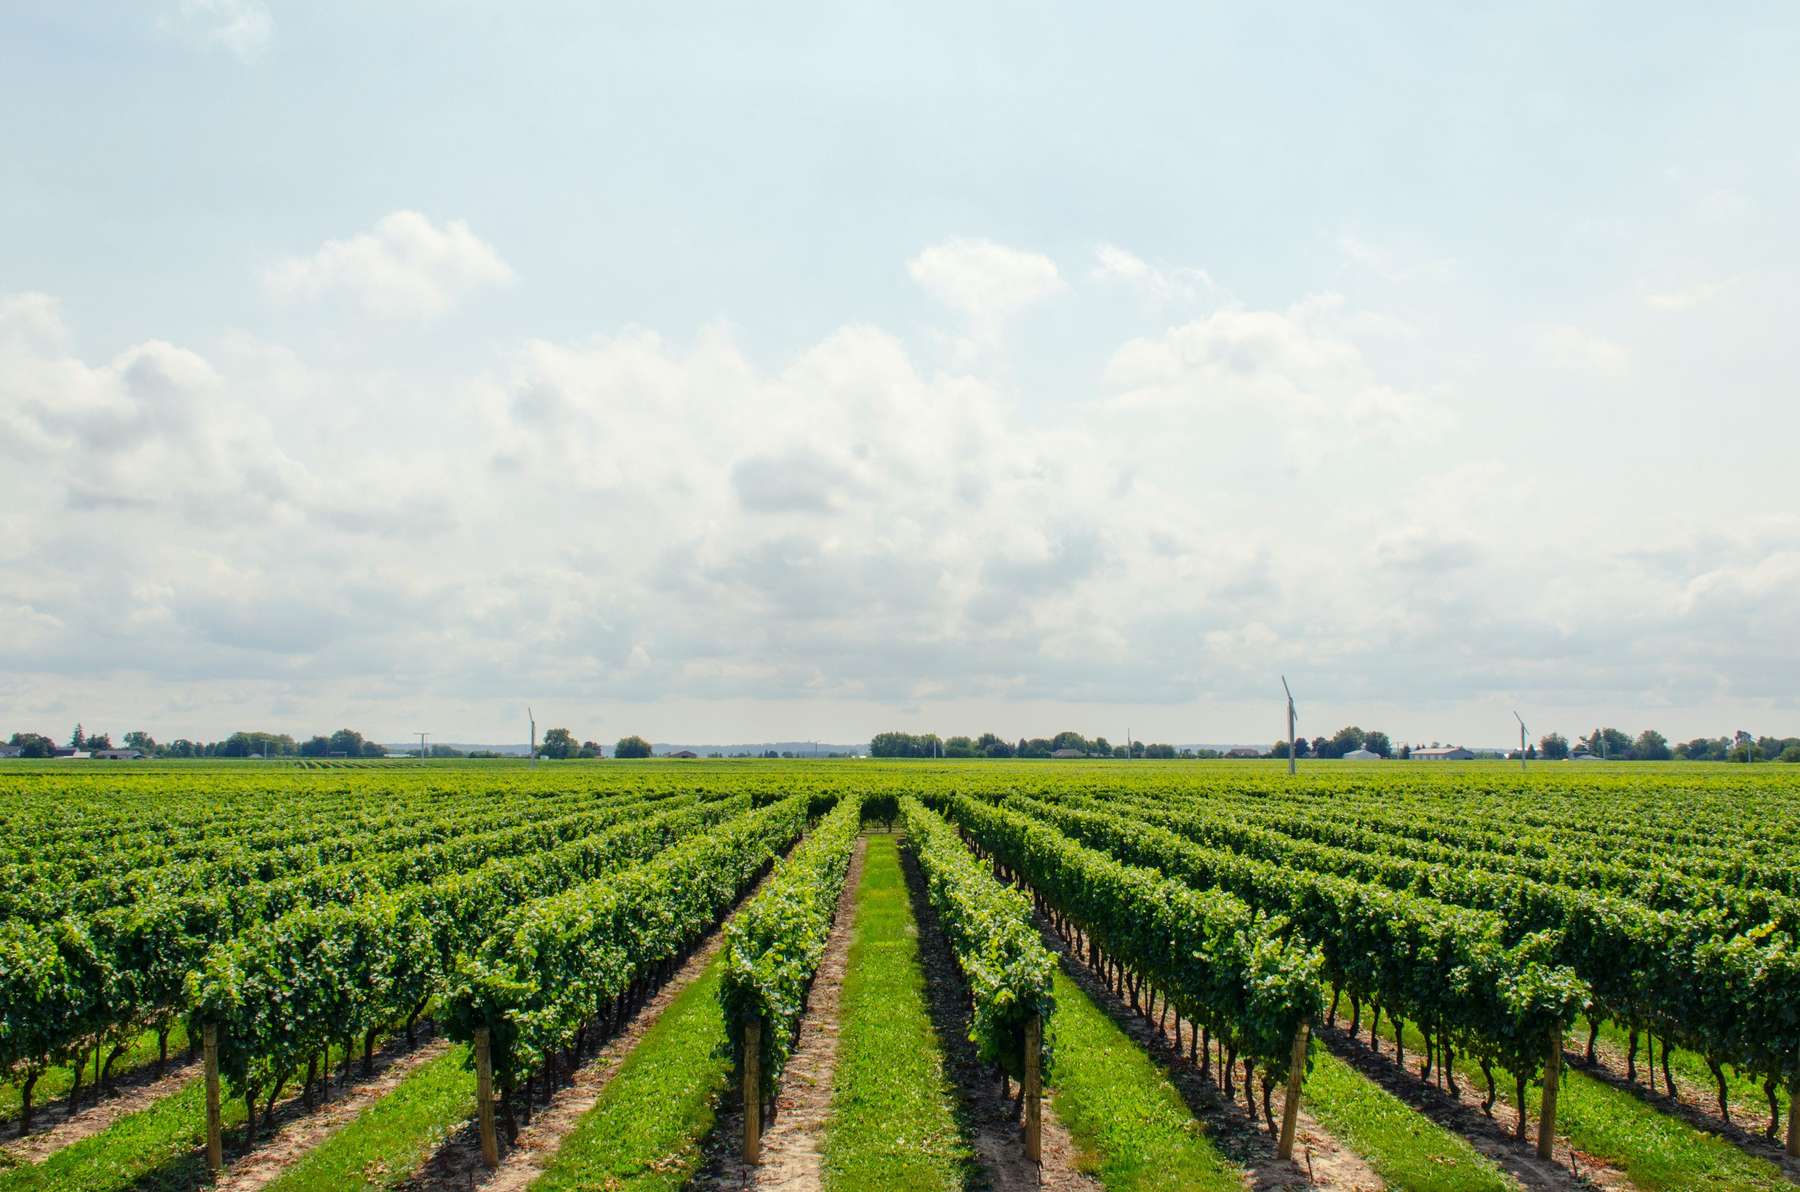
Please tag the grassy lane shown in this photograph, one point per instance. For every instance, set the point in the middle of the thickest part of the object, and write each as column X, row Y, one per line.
column 646, row 1129
column 159, row 1149
column 1405, row 1148
column 1746, row 1094
column 1133, row 1129
column 1653, row 1149
column 387, row 1142
column 892, row 1123
column 54, row 1084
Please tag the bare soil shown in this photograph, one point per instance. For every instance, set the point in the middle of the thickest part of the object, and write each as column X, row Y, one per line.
column 298, row 1133
column 1320, row 1161
column 994, row 1122
column 457, row 1166
column 793, row 1155
column 52, row 1128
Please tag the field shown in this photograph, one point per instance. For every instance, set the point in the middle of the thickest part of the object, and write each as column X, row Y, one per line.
column 855, row 974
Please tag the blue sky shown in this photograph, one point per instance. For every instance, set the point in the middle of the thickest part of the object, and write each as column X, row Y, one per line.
column 723, row 373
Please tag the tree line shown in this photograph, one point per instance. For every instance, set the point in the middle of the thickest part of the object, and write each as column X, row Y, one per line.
column 897, row 744
column 343, row 743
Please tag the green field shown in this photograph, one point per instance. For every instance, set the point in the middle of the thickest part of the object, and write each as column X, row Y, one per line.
column 299, row 909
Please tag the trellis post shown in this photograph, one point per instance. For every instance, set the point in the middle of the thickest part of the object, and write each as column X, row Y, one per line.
column 1290, row 1109
column 484, row 1097
column 753, row 1089
column 1546, row 1146
column 1034, row 1101
column 215, row 1142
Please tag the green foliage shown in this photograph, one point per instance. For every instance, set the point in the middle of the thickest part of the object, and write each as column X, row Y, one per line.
column 631, row 747
column 773, row 946
column 989, row 927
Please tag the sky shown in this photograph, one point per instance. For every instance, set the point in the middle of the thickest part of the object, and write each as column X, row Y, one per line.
column 722, row 372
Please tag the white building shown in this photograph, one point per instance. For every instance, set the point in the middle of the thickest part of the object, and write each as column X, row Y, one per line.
column 1362, row 755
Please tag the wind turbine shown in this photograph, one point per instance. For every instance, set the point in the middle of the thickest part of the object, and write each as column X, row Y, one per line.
column 1521, row 741
column 421, row 737
column 1291, row 719
column 533, row 720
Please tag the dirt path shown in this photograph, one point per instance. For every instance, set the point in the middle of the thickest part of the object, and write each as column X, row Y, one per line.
column 299, row 1133
column 1321, row 1161
column 52, row 1129
column 457, row 1166
column 1462, row 1112
column 988, row 1117
column 793, row 1157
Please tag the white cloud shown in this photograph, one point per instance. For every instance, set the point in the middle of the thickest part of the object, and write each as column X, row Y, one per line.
column 407, row 267
column 1576, row 349
column 986, row 283
column 1155, row 286
column 244, row 27
column 1385, row 263
column 31, row 321
column 1686, row 299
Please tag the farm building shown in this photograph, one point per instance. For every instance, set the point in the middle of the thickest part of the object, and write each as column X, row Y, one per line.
column 1448, row 753
column 1363, row 755
column 682, row 753
column 1244, row 751
column 11, row 750
column 118, row 755
column 1068, row 753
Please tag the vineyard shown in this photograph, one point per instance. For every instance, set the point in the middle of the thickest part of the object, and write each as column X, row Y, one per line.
column 1119, row 974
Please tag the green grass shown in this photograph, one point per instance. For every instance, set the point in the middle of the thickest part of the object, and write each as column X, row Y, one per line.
column 1133, row 1129
column 1655, row 1150
column 55, row 1082
column 646, row 1129
column 1405, row 1148
column 892, row 1122
column 158, row 1149
column 1689, row 1067
column 388, row 1141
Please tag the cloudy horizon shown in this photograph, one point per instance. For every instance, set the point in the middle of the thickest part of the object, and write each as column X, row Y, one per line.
column 736, row 376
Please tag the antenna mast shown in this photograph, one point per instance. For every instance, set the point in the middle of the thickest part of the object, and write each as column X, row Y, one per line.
column 1291, row 718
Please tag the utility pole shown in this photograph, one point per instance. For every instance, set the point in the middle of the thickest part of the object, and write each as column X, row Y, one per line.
column 1521, row 741
column 533, row 720
column 1290, row 712
column 422, row 753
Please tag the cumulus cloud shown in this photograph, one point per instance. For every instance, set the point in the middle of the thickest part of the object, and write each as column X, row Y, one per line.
column 1576, row 349
column 1155, row 286
column 243, row 27
column 986, row 283
column 405, row 268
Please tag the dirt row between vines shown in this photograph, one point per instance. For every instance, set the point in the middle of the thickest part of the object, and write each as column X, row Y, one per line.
column 793, row 1142
column 53, row 1128
column 457, row 1165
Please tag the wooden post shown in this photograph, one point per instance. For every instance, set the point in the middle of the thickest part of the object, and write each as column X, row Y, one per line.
column 1290, row 1109
column 484, row 1097
column 1034, row 1098
column 753, row 1090
column 1546, row 1147
column 1793, row 1141
column 215, row 1142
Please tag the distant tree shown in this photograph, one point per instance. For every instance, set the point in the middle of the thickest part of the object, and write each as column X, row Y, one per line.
column 1650, row 746
column 1531, row 752
column 1791, row 753
column 1554, row 746
column 559, row 743
column 78, row 739
column 139, row 739
column 1377, row 743
column 1302, row 747
column 991, row 745
column 631, row 747
column 1279, row 749
column 1069, row 740
column 592, row 749
column 33, row 745
column 1610, row 743
column 959, row 747
column 100, row 741
column 315, row 747
column 181, row 747
column 346, row 741
column 1160, row 750
column 1036, row 747
column 1343, row 741
column 1100, row 747
column 1405, row 753
column 1320, row 747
